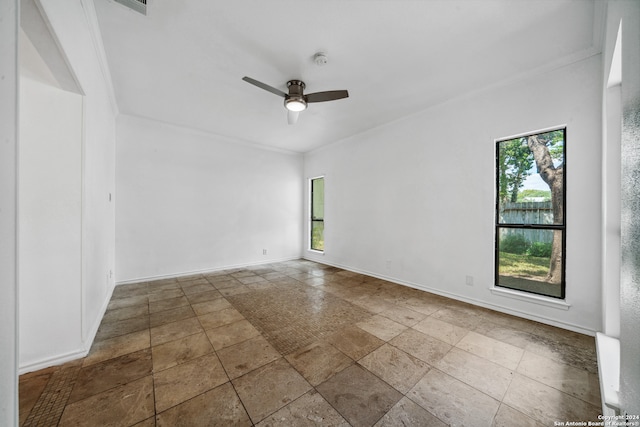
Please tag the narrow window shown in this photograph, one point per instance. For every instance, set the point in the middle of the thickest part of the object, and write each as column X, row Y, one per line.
column 317, row 214
column 530, row 213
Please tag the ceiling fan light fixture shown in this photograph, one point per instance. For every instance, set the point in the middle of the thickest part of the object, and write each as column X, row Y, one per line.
column 295, row 104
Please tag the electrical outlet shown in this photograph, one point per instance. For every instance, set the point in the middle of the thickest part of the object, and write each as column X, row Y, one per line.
column 469, row 280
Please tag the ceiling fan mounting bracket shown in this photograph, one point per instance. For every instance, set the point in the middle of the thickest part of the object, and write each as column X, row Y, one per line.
column 296, row 89
column 296, row 83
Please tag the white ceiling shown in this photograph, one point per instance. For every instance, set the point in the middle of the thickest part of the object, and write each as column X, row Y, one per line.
column 183, row 62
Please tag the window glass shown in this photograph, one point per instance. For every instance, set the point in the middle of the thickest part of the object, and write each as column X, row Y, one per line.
column 317, row 214
column 530, row 219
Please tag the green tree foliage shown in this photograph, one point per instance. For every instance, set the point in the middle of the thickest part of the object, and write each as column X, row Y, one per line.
column 528, row 193
column 514, row 162
column 514, row 244
column 516, row 157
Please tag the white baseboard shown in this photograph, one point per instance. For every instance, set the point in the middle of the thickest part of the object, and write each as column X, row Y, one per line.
column 496, row 307
column 52, row 361
column 203, row 271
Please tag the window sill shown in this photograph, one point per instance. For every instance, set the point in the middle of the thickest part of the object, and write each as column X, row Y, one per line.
column 315, row 251
column 608, row 351
column 536, row 299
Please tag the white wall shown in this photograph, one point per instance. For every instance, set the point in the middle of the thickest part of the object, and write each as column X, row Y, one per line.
column 50, row 206
column 190, row 201
column 9, row 69
column 413, row 201
column 67, row 175
column 611, row 175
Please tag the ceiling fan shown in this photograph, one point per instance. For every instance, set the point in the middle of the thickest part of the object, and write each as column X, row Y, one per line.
column 296, row 101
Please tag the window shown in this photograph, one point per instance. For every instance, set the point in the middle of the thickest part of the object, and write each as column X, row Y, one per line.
column 317, row 214
column 530, row 213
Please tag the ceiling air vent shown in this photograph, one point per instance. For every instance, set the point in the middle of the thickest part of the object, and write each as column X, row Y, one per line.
column 137, row 5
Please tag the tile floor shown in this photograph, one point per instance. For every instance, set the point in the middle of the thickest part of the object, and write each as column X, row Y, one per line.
column 302, row 344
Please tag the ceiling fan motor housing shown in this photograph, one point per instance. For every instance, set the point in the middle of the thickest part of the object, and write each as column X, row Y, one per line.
column 295, row 101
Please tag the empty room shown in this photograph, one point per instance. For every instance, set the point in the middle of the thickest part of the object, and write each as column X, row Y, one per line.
column 320, row 213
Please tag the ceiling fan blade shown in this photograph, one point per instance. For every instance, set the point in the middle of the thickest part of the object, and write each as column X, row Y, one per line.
column 264, row 86
column 330, row 95
column 292, row 117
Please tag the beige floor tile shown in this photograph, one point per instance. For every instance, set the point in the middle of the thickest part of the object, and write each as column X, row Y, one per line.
column 270, row 387
column 421, row 305
column 168, row 294
column 167, row 304
column 175, row 352
column 403, row 315
column 509, row 417
column 453, row 401
column 117, row 346
column 175, row 330
column 310, row 410
column 372, row 304
column 30, row 388
column 236, row 290
column 96, row 378
column 125, row 313
column 246, row 356
column 458, row 317
column 491, row 349
column 203, row 297
column 577, row 382
column 191, row 288
column 273, row 276
column 163, row 285
column 190, row 278
column 444, row 331
column 228, row 282
column 397, row 368
column 359, row 396
column 354, row 342
column 319, row 361
column 451, row 358
column 172, row 315
column 210, row 306
column 182, row 382
column 220, row 318
column 231, row 334
column 486, row 376
column 123, row 405
column 122, row 327
column 382, row 327
column 564, row 336
column 424, row 347
column 546, row 404
column 130, row 290
column 251, row 280
column 510, row 335
column 149, row 422
column 128, row 302
column 262, row 286
column 219, row 407
column 564, row 353
column 509, row 321
column 408, row 413
column 243, row 273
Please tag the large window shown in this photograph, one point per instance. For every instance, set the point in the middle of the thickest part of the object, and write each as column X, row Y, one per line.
column 317, row 214
column 530, row 213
